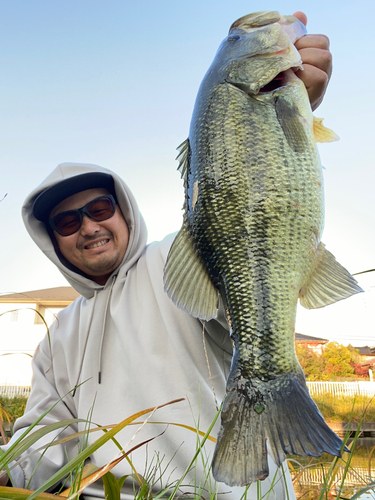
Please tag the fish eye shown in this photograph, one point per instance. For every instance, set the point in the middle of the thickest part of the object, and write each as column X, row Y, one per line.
column 233, row 38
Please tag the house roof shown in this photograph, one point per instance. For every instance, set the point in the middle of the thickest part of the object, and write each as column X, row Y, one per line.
column 366, row 350
column 61, row 295
column 299, row 337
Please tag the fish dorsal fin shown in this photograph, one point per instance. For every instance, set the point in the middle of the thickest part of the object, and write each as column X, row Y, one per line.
column 322, row 133
column 183, row 158
column 329, row 282
column 186, row 280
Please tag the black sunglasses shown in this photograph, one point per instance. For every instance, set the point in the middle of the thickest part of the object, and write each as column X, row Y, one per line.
column 99, row 209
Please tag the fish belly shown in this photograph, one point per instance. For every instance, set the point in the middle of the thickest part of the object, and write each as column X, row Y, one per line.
column 255, row 212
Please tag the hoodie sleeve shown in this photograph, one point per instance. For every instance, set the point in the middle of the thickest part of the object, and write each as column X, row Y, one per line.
column 43, row 398
column 217, row 328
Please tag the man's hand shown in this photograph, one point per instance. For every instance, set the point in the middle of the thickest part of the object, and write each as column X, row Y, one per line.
column 317, row 63
column 3, row 478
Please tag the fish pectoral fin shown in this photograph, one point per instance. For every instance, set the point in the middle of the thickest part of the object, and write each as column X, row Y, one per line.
column 322, row 133
column 292, row 124
column 186, row 279
column 329, row 282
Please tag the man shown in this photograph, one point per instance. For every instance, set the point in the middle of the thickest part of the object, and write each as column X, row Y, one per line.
column 123, row 346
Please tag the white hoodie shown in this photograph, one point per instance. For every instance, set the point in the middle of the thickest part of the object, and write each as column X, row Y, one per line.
column 130, row 348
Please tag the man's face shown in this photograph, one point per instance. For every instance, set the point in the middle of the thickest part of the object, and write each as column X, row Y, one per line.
column 97, row 248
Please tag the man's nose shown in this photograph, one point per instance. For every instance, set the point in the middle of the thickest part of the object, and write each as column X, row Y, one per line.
column 89, row 226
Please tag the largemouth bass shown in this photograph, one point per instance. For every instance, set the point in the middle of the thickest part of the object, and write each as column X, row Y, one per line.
column 251, row 234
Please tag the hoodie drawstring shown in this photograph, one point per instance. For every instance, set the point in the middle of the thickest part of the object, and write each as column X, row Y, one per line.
column 101, row 336
column 103, row 329
column 85, row 346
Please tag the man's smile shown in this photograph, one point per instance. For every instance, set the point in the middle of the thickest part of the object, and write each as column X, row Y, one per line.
column 96, row 244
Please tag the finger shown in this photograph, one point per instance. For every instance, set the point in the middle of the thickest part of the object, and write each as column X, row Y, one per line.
column 313, row 76
column 311, row 41
column 301, row 16
column 320, row 58
column 315, row 81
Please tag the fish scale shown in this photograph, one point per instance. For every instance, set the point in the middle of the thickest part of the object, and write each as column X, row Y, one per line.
column 259, row 227
column 253, row 219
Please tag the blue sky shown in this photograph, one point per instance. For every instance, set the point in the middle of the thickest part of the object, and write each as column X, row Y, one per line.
column 114, row 83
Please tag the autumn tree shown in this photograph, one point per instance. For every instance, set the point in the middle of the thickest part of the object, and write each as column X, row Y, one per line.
column 337, row 360
column 311, row 363
column 355, row 357
column 356, row 361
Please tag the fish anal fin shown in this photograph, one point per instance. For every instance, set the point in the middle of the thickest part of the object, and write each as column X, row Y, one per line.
column 322, row 133
column 187, row 281
column 328, row 282
column 279, row 412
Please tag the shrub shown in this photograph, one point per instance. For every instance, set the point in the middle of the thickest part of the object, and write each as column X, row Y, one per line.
column 14, row 407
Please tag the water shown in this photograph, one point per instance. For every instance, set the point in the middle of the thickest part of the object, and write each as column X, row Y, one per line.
column 310, row 477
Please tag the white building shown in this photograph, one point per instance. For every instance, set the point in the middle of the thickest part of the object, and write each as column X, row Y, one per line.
column 24, row 321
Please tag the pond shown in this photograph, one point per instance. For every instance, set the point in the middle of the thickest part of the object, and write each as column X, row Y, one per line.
column 310, row 474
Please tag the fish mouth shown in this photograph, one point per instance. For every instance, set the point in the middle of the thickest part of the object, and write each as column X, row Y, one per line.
column 279, row 81
column 282, row 79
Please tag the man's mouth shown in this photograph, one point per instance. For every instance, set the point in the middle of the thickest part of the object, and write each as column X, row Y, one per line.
column 97, row 244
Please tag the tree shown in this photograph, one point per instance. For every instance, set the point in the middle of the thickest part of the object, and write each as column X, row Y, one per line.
column 311, row 363
column 337, row 359
column 355, row 357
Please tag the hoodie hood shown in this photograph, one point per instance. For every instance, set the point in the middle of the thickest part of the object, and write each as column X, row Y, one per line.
column 39, row 233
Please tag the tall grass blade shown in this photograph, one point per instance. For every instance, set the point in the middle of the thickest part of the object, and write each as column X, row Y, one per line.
column 188, row 427
column 88, row 469
column 363, row 490
column 349, row 459
column 83, row 455
column 14, row 451
column 25, row 442
column 369, row 462
column 199, row 449
column 21, row 494
column 102, row 471
column 112, row 488
column 335, row 465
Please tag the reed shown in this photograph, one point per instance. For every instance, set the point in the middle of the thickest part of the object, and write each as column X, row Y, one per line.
column 335, row 472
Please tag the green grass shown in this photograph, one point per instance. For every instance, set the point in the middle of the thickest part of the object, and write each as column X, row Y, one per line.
column 345, row 408
column 14, row 407
column 334, row 408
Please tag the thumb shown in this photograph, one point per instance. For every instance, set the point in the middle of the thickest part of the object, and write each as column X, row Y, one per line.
column 301, row 16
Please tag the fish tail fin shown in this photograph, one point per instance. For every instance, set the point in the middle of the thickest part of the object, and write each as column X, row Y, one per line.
column 240, row 456
column 279, row 415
